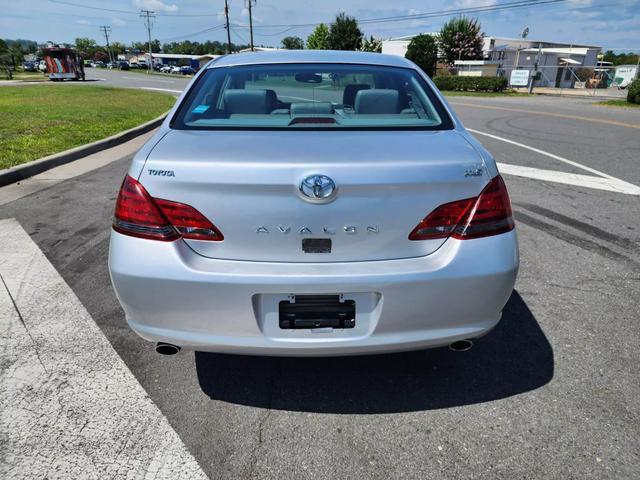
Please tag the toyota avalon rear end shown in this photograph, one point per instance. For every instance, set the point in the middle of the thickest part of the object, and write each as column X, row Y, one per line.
column 312, row 203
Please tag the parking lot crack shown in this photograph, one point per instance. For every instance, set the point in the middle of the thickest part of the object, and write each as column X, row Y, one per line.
column 21, row 318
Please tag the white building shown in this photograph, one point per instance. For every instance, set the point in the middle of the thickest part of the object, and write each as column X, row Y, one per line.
column 557, row 62
column 398, row 46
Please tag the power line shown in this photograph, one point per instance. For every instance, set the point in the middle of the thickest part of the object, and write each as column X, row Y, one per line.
column 242, row 39
column 193, row 34
column 131, row 12
column 93, row 8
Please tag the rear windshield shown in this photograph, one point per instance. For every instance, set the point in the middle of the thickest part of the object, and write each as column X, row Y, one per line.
column 302, row 96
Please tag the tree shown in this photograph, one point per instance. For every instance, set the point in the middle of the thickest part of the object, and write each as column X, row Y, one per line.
column 620, row 58
column 423, row 51
column 293, row 43
column 319, row 38
column 118, row 48
column 461, row 39
column 345, row 34
column 100, row 56
column 16, row 54
column 86, row 47
column 371, row 44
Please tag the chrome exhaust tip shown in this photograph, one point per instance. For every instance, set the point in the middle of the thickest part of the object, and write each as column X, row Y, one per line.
column 461, row 346
column 166, row 348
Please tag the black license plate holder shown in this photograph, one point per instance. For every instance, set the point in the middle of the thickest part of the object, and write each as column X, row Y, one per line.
column 316, row 311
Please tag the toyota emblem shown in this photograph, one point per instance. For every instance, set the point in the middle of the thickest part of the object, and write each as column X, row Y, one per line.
column 318, row 188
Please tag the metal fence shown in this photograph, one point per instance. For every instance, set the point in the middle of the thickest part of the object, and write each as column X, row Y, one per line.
column 592, row 80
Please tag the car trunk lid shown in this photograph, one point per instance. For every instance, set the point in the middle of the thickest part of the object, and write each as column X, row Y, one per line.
column 248, row 184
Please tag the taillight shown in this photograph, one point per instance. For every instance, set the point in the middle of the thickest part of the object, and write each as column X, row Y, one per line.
column 189, row 222
column 139, row 215
column 487, row 214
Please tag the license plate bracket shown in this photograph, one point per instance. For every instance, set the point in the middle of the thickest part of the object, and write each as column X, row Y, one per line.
column 316, row 311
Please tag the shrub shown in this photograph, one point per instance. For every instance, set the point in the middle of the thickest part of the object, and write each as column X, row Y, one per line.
column 477, row 84
column 633, row 92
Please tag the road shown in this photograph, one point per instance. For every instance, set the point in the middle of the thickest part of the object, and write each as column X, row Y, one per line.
column 138, row 79
column 552, row 392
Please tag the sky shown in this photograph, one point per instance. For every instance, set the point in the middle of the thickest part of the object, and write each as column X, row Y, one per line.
column 612, row 24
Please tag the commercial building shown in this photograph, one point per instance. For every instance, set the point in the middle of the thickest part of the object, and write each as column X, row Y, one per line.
column 557, row 61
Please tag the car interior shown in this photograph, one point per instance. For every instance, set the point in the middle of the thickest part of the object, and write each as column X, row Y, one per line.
column 310, row 98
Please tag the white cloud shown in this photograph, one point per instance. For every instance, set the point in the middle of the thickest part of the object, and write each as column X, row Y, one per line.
column 82, row 21
column 155, row 5
column 118, row 22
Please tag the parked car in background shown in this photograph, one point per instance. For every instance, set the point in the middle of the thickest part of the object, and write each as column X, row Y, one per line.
column 276, row 212
column 42, row 66
column 122, row 65
column 186, row 70
column 175, row 69
column 30, row 66
column 166, row 68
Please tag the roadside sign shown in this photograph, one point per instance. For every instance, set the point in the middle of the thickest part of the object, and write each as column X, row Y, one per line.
column 519, row 78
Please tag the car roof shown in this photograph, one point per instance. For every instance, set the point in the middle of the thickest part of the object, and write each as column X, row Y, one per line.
column 310, row 56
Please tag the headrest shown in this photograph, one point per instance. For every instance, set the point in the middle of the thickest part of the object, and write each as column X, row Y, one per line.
column 377, row 101
column 312, row 108
column 249, row 101
column 349, row 94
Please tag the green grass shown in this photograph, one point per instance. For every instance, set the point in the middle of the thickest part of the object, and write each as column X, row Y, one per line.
column 25, row 76
column 618, row 104
column 450, row 93
column 39, row 120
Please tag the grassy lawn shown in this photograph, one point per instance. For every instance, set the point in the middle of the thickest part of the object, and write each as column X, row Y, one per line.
column 618, row 103
column 25, row 76
column 39, row 120
column 451, row 93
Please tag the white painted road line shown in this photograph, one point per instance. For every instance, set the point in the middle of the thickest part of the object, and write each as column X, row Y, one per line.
column 69, row 407
column 612, row 184
column 147, row 79
column 161, row 89
column 567, row 178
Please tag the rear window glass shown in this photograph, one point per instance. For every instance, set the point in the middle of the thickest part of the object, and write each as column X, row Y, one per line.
column 326, row 96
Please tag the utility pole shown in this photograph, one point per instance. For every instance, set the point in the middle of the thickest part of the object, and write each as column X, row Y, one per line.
column 148, row 16
column 250, row 4
column 226, row 14
column 106, row 29
column 535, row 69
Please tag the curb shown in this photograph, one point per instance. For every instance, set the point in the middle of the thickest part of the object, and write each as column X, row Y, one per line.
column 21, row 172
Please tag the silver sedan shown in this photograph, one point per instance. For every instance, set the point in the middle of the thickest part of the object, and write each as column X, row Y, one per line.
column 312, row 203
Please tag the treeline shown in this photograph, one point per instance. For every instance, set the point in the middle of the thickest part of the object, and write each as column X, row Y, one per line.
column 620, row 58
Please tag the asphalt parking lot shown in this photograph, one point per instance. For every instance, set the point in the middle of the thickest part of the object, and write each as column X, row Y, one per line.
column 552, row 392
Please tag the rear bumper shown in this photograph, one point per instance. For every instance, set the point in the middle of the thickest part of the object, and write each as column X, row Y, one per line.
column 171, row 294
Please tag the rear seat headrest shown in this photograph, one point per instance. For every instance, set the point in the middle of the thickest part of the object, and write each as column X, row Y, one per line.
column 350, row 91
column 249, row 101
column 377, row 101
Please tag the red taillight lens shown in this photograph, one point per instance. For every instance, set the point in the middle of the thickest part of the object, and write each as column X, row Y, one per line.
column 139, row 215
column 488, row 214
column 189, row 222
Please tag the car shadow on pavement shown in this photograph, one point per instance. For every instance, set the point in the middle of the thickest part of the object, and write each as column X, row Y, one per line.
column 514, row 358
